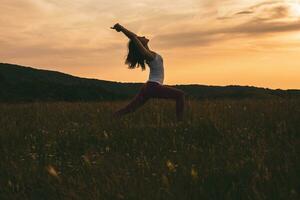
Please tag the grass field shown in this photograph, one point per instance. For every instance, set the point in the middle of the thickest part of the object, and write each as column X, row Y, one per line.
column 225, row 149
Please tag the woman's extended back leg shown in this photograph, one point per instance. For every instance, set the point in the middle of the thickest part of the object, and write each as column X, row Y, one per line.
column 134, row 104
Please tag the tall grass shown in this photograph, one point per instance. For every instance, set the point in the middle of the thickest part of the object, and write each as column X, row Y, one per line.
column 224, row 149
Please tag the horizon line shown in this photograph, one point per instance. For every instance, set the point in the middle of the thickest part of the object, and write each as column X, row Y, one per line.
column 177, row 84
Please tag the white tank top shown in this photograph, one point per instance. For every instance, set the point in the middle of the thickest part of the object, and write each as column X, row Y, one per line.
column 156, row 69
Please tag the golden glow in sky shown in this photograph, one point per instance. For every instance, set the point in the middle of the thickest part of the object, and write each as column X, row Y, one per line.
column 211, row 42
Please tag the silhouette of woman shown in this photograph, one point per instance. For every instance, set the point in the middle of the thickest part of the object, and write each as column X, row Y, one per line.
column 138, row 54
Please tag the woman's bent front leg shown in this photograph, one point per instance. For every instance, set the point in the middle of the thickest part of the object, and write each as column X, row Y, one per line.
column 167, row 92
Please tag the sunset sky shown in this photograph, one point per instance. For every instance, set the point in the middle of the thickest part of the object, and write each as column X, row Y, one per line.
column 211, row 42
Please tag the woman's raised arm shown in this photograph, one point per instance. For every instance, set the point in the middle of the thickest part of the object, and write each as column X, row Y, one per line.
column 132, row 36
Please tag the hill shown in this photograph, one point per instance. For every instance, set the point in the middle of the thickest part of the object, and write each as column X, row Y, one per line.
column 26, row 84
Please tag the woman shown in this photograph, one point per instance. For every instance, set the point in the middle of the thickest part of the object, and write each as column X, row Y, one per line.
column 138, row 54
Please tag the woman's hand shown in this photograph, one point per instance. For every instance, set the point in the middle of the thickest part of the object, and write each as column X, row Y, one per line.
column 117, row 27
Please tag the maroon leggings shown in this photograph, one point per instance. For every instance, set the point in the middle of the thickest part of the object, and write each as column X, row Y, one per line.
column 155, row 90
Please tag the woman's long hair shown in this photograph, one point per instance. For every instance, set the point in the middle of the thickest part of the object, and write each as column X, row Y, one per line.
column 134, row 58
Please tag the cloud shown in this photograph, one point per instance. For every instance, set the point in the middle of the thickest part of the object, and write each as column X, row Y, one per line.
column 278, row 12
column 246, row 12
column 261, row 27
column 268, row 10
column 264, row 18
column 248, row 29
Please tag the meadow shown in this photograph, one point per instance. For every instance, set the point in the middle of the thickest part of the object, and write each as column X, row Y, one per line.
column 224, row 149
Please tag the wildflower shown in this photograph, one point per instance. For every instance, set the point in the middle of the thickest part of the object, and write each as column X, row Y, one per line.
column 51, row 170
column 10, row 183
column 194, row 173
column 171, row 166
column 86, row 159
column 105, row 134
